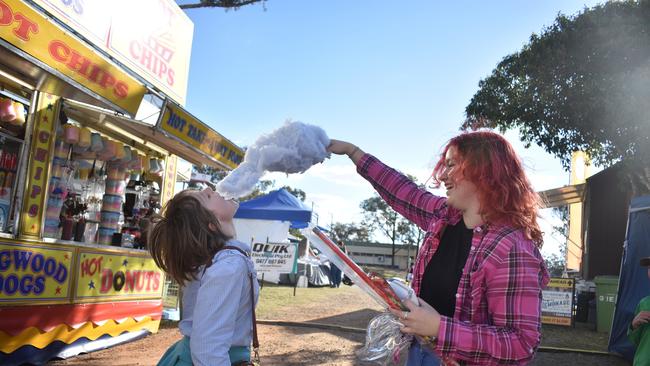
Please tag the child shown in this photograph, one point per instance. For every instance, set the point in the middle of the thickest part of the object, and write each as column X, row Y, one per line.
column 639, row 332
column 193, row 243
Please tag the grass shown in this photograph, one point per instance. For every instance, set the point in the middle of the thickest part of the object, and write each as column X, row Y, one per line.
column 386, row 272
column 276, row 300
column 278, row 303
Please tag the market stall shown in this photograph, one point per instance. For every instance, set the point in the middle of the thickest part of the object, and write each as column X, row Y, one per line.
column 80, row 176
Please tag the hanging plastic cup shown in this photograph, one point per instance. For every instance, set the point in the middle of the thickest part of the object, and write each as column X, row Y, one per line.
column 7, row 110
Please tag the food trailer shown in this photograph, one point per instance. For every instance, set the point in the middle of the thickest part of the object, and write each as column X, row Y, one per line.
column 92, row 130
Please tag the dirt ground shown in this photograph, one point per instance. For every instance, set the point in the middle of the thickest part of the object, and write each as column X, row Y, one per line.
column 348, row 307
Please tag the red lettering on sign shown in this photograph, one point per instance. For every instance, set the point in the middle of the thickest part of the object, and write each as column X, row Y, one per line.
column 91, row 266
column 107, row 281
column 81, row 65
column 33, row 210
column 36, row 190
column 43, row 136
column 154, row 57
column 156, row 281
column 132, row 278
column 25, row 26
column 40, row 155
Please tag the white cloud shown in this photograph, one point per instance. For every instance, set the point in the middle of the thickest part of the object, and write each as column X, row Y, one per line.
column 334, row 207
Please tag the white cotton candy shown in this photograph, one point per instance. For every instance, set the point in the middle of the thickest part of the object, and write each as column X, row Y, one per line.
column 292, row 148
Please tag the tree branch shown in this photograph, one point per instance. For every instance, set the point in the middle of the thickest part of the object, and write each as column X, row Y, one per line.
column 220, row 4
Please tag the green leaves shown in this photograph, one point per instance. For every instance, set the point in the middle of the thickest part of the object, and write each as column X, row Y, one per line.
column 582, row 84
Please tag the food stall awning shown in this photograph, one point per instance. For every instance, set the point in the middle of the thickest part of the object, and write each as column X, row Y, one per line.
column 179, row 124
column 563, row 196
column 146, row 136
column 54, row 60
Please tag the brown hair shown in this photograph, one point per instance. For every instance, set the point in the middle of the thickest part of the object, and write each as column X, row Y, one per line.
column 182, row 240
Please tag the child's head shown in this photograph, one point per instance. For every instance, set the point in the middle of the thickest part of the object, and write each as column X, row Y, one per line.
column 645, row 262
column 188, row 234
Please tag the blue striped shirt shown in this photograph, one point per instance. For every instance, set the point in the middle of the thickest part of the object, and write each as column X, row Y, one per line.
column 217, row 311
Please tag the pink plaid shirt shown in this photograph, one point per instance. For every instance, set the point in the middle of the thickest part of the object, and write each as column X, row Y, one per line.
column 498, row 303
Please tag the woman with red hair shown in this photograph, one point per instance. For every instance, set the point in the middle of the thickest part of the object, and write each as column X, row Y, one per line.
column 479, row 273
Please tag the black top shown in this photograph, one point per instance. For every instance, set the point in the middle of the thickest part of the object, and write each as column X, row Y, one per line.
column 441, row 277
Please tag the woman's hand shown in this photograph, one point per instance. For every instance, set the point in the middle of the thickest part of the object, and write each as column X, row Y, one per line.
column 421, row 320
column 641, row 318
column 340, row 147
column 345, row 148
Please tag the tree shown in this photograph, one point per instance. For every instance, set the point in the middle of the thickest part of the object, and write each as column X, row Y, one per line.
column 582, row 84
column 299, row 193
column 226, row 4
column 379, row 216
column 349, row 232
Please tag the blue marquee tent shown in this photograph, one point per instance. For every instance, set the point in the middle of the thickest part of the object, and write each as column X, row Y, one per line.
column 634, row 283
column 277, row 205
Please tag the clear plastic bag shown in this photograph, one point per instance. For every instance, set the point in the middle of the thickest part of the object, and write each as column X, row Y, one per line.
column 384, row 341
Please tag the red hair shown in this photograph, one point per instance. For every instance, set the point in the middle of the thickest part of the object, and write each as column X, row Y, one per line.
column 506, row 196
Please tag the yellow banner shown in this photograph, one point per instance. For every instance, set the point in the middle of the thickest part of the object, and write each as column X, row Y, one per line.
column 157, row 46
column 35, row 273
column 188, row 128
column 102, row 274
column 554, row 320
column 169, row 181
column 564, row 283
column 30, row 31
column 47, row 112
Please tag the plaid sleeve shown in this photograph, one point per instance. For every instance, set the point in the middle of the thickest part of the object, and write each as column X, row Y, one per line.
column 414, row 203
column 514, row 281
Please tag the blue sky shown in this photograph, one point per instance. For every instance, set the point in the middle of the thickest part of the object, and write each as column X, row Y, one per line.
column 391, row 77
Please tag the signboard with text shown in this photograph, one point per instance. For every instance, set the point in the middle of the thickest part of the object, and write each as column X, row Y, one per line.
column 47, row 112
column 103, row 274
column 191, row 130
column 31, row 273
column 275, row 257
column 152, row 37
column 557, row 302
column 33, row 33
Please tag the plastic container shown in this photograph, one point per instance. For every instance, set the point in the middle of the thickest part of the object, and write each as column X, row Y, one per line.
column 112, row 203
column 90, row 234
column 52, row 222
column 96, row 142
column 110, row 219
column 115, row 187
column 61, row 149
column 84, row 170
column 58, row 168
column 127, row 154
column 136, row 162
column 606, row 292
column 7, row 110
column 70, row 134
column 108, row 151
column 105, row 235
column 20, row 114
column 119, row 150
column 84, row 138
column 116, row 172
